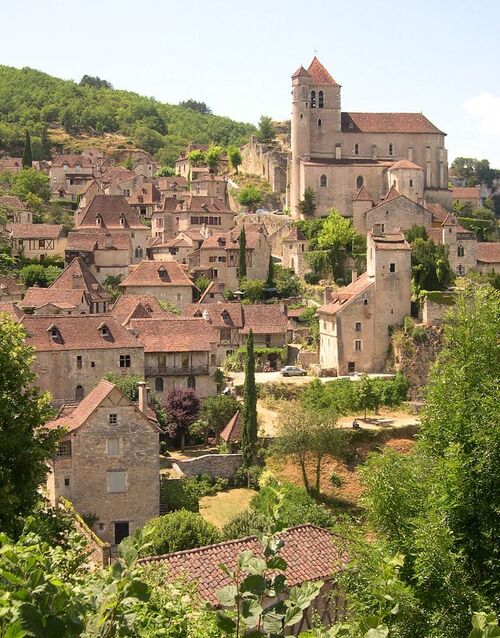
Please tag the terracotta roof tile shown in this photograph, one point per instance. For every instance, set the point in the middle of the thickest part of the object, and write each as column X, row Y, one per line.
column 9, row 286
column 406, row 164
column 393, row 192
column 438, row 212
column 387, row 123
column 36, row 231
column 346, row 295
column 12, row 202
column 11, row 309
column 311, row 553
column 172, row 182
column 213, row 288
column 220, row 314
column 36, row 297
column 77, row 276
column 157, row 273
column 296, row 235
column 319, row 74
column 79, row 332
column 363, row 195
column 488, row 252
column 90, row 240
column 125, row 305
column 72, row 160
column 390, row 241
column 232, row 430
column 111, row 209
column 265, row 319
column 183, row 334
column 145, row 194
column 301, row 72
column 465, row 192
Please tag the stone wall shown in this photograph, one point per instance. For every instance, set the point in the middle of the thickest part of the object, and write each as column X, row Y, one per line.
column 267, row 162
column 216, row 465
column 306, row 358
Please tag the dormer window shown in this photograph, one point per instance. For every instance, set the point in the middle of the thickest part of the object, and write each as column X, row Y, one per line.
column 122, row 221
column 65, row 166
column 162, row 273
column 54, row 332
column 98, row 220
column 78, row 168
column 104, row 331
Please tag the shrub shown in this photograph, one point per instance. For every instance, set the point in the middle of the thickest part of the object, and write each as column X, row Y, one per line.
column 312, row 278
column 248, row 476
column 336, row 480
column 180, row 494
column 179, row 531
column 279, row 391
column 247, row 523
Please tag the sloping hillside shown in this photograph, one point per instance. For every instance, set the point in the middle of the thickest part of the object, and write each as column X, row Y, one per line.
column 37, row 101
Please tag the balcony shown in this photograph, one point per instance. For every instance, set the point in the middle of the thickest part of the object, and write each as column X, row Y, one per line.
column 169, row 371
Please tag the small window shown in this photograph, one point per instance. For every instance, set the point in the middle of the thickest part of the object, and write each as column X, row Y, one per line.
column 98, row 221
column 323, row 181
column 460, row 270
column 268, row 341
column 321, row 100
column 411, row 183
column 351, row 367
column 113, row 447
column 159, row 384
column 79, row 361
column 191, row 383
column 63, row 450
column 116, row 482
column 79, row 392
column 358, row 326
column 391, row 149
column 92, row 364
column 356, row 150
column 392, row 267
column 320, row 122
column 54, row 333
column 213, row 359
column 460, row 251
column 357, row 344
column 113, row 419
column 66, row 481
column 124, row 361
column 41, row 243
column 382, row 228
column 313, row 99
column 359, row 181
column 365, row 302
column 104, row 331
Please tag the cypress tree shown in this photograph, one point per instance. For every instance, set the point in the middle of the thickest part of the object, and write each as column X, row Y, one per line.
column 45, row 144
column 242, row 263
column 249, row 428
column 27, row 157
column 270, row 273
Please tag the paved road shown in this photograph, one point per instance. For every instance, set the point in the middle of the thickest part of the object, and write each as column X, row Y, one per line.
column 274, row 377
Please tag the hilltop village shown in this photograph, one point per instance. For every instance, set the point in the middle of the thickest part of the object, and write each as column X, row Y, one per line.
column 330, row 247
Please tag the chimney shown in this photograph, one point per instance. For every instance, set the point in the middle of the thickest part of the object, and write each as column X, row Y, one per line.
column 376, row 230
column 354, row 276
column 143, row 396
column 327, row 295
column 107, row 241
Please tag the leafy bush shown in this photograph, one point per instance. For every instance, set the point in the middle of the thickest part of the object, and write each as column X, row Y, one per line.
column 178, row 531
column 244, row 477
column 180, row 494
column 279, row 390
column 247, row 523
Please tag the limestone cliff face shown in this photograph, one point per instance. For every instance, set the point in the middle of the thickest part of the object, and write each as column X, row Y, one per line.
column 413, row 353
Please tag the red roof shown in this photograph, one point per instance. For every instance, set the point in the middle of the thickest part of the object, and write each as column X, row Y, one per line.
column 145, row 194
column 406, row 164
column 220, row 314
column 265, row 319
column 301, row 72
column 488, row 252
column 296, row 235
column 363, row 195
column 232, row 430
column 36, row 231
column 319, row 74
column 465, row 192
column 72, row 160
column 184, row 334
column 125, row 305
column 91, row 240
column 393, row 192
column 157, row 273
column 111, row 209
column 77, row 276
column 347, row 294
column 11, row 309
column 311, row 553
column 387, row 123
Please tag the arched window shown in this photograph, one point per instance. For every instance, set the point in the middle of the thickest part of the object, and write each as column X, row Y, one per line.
column 191, row 384
column 137, row 253
column 356, row 149
column 323, row 181
column 159, row 384
column 460, row 251
column 359, row 181
column 320, row 122
column 321, row 101
column 313, row 99
column 79, row 392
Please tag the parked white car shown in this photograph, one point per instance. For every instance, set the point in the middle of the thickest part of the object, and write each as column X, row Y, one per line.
column 293, row 371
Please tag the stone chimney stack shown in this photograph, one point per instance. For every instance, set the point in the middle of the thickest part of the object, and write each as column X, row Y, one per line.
column 354, row 276
column 143, row 396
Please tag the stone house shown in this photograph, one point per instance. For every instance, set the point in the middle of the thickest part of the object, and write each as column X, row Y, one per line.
column 183, row 165
column 172, row 186
column 294, row 249
column 126, row 308
column 116, row 180
column 106, row 254
column 179, row 353
column 15, row 211
column 311, row 554
column 488, row 256
column 142, row 162
column 210, row 185
column 70, row 176
column 226, row 319
column 213, row 292
column 336, row 153
column 166, row 281
column 88, row 194
column 144, row 200
column 177, row 249
column 354, row 324
column 461, row 244
column 74, row 353
column 218, row 256
column 107, row 463
column 37, row 241
column 470, row 195
column 113, row 214
column 75, row 291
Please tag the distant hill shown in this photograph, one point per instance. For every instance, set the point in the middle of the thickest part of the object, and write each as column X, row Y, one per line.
column 75, row 116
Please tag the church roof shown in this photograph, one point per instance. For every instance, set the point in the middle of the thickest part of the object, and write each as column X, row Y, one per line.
column 387, row 123
column 319, row 74
column 363, row 195
column 296, row 235
column 405, row 164
column 301, row 72
column 393, row 192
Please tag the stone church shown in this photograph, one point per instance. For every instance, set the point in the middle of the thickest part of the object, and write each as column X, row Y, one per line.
column 337, row 153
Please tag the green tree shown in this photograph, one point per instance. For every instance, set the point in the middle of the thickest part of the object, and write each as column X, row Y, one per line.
column 27, row 156
column 212, row 157
column 128, row 163
column 165, row 171
column 286, row 282
column 52, row 273
column 253, row 289
column 202, row 282
column 249, row 427
column 339, row 238
column 234, row 157
column 31, row 182
column 25, row 445
column 128, row 385
column 216, row 411
column 242, row 255
column 270, row 272
column 196, row 157
column 194, row 105
column 148, row 139
column 178, row 531
column 33, row 275
column 95, row 82
column 266, row 132
column 367, row 396
column 307, row 205
column 250, row 196
column 429, row 266
column 111, row 285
